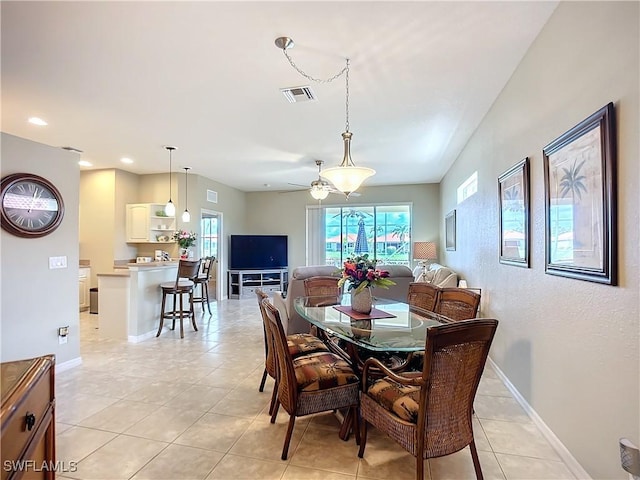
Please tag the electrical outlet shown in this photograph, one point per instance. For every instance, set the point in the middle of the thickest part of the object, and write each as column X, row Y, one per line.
column 63, row 332
column 57, row 262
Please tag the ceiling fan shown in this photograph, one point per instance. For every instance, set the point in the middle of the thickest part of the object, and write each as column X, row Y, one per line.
column 320, row 188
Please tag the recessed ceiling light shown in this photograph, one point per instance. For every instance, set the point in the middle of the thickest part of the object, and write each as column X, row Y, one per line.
column 84, row 163
column 126, row 160
column 38, row 121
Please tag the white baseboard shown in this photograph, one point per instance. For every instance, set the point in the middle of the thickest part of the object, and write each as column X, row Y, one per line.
column 141, row 338
column 558, row 446
column 69, row 364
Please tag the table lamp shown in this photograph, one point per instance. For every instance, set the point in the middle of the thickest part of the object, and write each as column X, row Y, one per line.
column 425, row 252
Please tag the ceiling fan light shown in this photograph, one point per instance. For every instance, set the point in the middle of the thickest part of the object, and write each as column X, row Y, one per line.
column 319, row 192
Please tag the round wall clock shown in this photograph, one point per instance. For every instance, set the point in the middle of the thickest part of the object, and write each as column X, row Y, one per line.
column 30, row 205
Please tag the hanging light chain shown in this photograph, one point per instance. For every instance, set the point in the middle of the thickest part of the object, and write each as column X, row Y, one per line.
column 347, row 96
column 309, row 77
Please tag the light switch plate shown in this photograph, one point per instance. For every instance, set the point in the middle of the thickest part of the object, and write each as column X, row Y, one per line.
column 57, row 262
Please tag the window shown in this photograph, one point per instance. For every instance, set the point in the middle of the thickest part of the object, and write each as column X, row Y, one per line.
column 382, row 231
column 209, row 235
column 468, row 187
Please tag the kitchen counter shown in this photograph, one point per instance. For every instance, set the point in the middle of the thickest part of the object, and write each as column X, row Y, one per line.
column 130, row 299
column 153, row 264
column 118, row 272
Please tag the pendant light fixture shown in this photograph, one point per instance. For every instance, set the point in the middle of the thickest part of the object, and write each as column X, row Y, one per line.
column 186, row 216
column 346, row 177
column 170, row 208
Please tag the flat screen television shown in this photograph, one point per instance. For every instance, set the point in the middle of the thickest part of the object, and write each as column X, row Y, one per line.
column 257, row 252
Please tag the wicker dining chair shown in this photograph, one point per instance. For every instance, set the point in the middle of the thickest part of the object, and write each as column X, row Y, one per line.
column 458, row 303
column 423, row 295
column 297, row 343
column 325, row 290
column 429, row 413
column 312, row 383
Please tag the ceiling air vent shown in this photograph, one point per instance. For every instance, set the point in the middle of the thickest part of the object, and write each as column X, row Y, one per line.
column 212, row 196
column 72, row 149
column 298, row 94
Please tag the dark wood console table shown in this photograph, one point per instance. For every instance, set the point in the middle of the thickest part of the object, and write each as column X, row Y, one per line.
column 27, row 415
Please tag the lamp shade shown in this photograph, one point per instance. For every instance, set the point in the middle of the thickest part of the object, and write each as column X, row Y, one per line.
column 424, row 251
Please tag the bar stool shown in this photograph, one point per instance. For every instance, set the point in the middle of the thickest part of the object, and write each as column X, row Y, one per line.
column 202, row 279
column 184, row 284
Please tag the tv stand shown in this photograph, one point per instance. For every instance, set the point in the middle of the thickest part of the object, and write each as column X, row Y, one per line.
column 244, row 283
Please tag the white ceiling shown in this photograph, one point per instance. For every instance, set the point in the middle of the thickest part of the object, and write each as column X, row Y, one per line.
column 118, row 79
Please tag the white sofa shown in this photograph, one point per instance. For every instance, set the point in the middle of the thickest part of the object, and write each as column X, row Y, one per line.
column 402, row 276
column 437, row 274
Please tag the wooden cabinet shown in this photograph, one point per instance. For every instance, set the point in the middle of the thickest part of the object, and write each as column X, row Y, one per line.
column 84, row 279
column 146, row 223
column 27, row 415
column 244, row 283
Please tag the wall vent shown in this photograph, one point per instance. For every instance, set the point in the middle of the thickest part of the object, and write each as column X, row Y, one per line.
column 298, row 94
column 212, row 196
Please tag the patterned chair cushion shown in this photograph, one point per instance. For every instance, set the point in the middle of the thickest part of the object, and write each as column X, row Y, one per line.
column 302, row 343
column 322, row 370
column 401, row 400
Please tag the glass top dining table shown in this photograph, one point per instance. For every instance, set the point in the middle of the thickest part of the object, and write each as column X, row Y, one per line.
column 391, row 326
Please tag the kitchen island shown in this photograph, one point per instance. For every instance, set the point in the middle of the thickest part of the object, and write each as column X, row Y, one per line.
column 130, row 298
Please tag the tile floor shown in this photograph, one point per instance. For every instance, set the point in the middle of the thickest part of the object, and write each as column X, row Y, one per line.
column 190, row 409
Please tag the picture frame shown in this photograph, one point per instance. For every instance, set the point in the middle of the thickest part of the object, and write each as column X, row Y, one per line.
column 580, row 201
column 450, row 230
column 513, row 200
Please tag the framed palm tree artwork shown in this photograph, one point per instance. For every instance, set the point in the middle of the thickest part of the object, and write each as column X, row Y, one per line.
column 513, row 196
column 580, row 200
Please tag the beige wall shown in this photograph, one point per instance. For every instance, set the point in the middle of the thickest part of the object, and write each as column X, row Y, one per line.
column 36, row 301
column 570, row 347
column 126, row 191
column 285, row 213
column 103, row 196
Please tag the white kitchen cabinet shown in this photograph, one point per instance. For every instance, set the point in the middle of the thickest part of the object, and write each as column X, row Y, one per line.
column 84, row 277
column 145, row 225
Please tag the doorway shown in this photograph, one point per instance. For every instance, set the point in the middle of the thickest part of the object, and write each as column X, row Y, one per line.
column 210, row 235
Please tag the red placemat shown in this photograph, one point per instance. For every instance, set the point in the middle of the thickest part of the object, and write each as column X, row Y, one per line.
column 375, row 313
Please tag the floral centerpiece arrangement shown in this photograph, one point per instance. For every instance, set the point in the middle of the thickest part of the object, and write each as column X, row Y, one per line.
column 361, row 273
column 185, row 240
